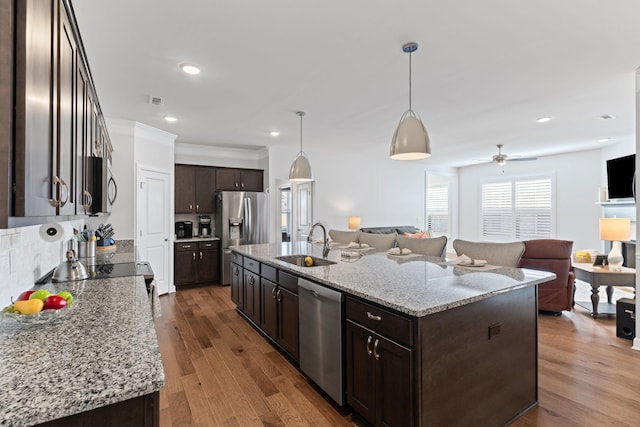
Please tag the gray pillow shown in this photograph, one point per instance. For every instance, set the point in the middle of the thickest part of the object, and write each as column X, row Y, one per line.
column 379, row 241
column 431, row 247
column 343, row 236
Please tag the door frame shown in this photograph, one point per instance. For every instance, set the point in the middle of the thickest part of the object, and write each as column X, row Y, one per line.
column 171, row 217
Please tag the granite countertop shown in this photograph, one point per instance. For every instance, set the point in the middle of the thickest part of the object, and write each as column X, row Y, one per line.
column 412, row 284
column 197, row 239
column 104, row 351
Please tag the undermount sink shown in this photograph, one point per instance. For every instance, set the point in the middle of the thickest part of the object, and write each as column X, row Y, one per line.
column 299, row 260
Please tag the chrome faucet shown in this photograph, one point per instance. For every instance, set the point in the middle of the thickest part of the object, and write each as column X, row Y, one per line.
column 325, row 246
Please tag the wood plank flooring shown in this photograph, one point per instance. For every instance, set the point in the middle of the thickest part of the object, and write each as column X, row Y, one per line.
column 221, row 372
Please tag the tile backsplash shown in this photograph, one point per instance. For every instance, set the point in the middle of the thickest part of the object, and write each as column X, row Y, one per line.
column 25, row 257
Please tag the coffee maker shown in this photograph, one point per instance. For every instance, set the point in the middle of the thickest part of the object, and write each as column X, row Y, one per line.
column 204, row 229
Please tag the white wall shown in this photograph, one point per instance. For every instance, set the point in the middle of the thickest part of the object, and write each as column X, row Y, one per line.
column 206, row 155
column 365, row 183
column 578, row 178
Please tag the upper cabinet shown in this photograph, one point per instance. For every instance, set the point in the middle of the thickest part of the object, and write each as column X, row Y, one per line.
column 194, row 188
column 230, row 179
column 58, row 122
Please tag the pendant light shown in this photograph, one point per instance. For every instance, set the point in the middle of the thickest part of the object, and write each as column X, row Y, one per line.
column 410, row 140
column 300, row 168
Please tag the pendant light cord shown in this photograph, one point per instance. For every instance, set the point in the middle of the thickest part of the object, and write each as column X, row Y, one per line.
column 409, row 81
column 301, row 133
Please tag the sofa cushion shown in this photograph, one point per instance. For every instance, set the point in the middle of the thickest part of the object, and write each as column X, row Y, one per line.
column 379, row 241
column 430, row 247
column 504, row 254
column 339, row 236
column 379, row 230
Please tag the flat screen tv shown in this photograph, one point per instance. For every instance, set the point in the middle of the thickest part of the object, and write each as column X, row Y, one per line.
column 621, row 177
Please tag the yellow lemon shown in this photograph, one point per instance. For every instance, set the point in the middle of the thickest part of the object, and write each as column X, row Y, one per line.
column 308, row 261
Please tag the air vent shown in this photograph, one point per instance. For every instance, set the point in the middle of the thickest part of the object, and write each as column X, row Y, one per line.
column 156, row 100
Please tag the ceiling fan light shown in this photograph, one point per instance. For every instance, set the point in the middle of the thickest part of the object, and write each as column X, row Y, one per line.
column 410, row 140
column 301, row 169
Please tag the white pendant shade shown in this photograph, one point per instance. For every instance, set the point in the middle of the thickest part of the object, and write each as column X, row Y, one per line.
column 300, row 169
column 410, row 140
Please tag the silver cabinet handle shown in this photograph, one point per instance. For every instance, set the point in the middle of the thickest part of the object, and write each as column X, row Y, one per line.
column 373, row 316
column 369, row 352
column 376, row 355
column 279, row 295
column 197, row 208
column 251, row 280
column 242, row 185
column 194, row 256
column 190, row 207
column 236, row 272
column 87, row 199
column 236, row 185
column 273, row 293
column 201, row 255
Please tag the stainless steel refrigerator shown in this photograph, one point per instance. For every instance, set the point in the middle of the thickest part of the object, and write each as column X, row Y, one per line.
column 241, row 218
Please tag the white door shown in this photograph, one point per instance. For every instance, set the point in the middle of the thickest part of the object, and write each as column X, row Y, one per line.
column 302, row 209
column 153, row 224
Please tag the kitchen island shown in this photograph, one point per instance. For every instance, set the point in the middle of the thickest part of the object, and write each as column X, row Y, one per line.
column 100, row 364
column 427, row 343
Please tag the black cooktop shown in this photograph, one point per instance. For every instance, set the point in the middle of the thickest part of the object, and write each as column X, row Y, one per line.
column 106, row 271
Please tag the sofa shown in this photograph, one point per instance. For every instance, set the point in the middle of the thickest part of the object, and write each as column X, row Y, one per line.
column 385, row 238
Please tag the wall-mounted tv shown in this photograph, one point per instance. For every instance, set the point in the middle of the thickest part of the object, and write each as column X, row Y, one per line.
column 621, row 178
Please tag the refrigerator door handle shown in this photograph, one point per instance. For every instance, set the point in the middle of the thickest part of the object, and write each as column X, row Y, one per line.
column 249, row 219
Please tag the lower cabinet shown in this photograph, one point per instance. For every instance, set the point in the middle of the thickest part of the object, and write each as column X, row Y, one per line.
column 379, row 370
column 280, row 316
column 197, row 263
column 237, row 281
column 252, row 295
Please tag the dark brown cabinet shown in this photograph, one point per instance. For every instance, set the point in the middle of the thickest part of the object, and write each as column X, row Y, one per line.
column 194, row 189
column 53, row 108
column 231, row 179
column 379, row 370
column 196, row 263
column 279, row 306
column 237, row 280
column 251, row 289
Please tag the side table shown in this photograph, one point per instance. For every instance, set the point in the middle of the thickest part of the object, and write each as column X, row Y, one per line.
column 602, row 276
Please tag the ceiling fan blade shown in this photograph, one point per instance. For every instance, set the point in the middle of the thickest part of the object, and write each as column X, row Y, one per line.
column 521, row 159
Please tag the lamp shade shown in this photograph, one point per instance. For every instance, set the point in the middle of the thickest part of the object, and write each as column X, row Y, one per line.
column 300, row 169
column 410, row 140
column 354, row 222
column 615, row 229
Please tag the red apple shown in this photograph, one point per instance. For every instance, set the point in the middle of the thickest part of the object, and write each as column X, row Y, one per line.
column 25, row 295
column 54, row 302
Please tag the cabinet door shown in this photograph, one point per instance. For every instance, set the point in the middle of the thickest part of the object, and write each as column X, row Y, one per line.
column 83, row 197
column 251, row 180
column 64, row 135
column 205, row 187
column 252, row 295
column 269, row 306
column 208, row 270
column 237, row 285
column 185, row 267
column 394, row 383
column 185, row 192
column 360, row 370
column 34, row 169
column 288, row 321
column 227, row 179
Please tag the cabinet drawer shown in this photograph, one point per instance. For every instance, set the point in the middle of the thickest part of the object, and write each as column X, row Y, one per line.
column 288, row 281
column 203, row 246
column 385, row 322
column 236, row 258
column 251, row 265
column 269, row 272
column 191, row 246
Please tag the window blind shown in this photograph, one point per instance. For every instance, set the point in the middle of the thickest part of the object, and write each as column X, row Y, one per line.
column 438, row 210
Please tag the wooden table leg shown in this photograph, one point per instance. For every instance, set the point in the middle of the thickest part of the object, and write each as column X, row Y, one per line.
column 609, row 293
column 595, row 300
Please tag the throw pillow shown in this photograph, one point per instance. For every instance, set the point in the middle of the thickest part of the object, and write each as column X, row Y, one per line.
column 418, row 235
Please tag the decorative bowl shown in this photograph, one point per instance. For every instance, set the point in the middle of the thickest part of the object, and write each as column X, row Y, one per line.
column 45, row 316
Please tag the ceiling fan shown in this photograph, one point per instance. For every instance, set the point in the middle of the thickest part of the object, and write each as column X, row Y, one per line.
column 501, row 158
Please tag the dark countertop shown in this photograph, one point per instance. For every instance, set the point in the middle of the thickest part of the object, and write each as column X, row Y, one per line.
column 412, row 284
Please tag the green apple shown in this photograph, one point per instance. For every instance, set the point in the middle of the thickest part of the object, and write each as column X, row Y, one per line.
column 66, row 295
column 40, row 294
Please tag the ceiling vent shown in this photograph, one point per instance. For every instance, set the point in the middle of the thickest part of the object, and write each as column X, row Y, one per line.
column 156, row 100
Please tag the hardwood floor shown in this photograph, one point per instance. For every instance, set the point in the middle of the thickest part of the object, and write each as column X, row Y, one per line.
column 221, row 372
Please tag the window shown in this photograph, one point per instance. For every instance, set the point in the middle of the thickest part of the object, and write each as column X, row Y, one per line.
column 518, row 209
column 438, row 210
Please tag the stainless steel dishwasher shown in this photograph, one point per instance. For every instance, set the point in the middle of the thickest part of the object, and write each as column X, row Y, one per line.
column 321, row 319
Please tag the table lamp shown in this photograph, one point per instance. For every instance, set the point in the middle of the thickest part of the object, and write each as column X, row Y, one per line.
column 354, row 222
column 615, row 230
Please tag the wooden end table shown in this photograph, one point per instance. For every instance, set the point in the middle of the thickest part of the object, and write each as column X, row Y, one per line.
column 602, row 276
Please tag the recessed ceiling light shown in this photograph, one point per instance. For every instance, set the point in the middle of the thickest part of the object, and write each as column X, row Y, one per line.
column 604, row 140
column 543, row 119
column 607, row 116
column 274, row 133
column 190, row 69
column 170, row 118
